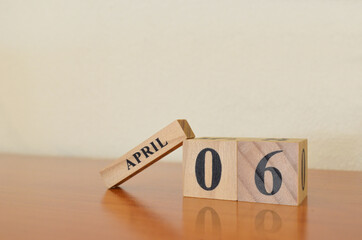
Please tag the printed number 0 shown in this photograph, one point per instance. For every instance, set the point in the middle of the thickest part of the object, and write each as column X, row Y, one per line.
column 260, row 171
column 200, row 169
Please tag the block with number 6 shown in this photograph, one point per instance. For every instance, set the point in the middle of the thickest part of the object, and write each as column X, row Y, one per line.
column 272, row 170
column 246, row 169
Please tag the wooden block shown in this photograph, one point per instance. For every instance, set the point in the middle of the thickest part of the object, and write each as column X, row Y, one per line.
column 148, row 152
column 272, row 170
column 209, row 168
column 246, row 169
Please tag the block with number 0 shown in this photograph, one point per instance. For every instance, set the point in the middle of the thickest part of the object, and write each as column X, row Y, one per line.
column 246, row 169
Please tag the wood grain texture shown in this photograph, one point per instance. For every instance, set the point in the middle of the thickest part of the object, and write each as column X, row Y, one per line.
column 226, row 150
column 64, row 198
column 148, row 152
column 286, row 160
column 281, row 179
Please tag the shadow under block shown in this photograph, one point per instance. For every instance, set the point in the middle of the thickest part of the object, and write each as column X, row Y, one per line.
column 246, row 169
column 148, row 152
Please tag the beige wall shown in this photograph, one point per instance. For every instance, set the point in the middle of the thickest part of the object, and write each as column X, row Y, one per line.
column 94, row 78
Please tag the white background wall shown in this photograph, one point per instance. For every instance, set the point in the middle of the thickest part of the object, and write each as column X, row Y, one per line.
column 95, row 78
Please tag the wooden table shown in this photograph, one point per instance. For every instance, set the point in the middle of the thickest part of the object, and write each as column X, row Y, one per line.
column 64, row 198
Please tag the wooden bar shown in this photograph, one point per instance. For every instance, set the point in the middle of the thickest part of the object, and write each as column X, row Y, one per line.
column 148, row 152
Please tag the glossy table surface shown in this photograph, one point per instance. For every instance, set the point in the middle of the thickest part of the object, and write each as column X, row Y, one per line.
column 64, row 198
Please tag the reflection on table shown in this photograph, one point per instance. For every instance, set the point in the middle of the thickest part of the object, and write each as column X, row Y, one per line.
column 215, row 219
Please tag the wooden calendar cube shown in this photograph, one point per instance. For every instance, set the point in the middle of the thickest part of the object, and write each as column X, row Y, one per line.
column 209, row 167
column 272, row 170
column 246, row 169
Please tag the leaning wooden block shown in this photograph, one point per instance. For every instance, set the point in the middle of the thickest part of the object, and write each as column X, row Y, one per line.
column 272, row 170
column 153, row 149
column 246, row 169
column 209, row 167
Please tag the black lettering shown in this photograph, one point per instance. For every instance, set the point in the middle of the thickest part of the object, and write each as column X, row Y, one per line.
column 161, row 144
column 137, row 156
column 200, row 169
column 129, row 163
column 260, row 171
column 146, row 151
column 154, row 146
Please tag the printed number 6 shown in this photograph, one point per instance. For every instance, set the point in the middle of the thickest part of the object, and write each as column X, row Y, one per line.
column 260, row 171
